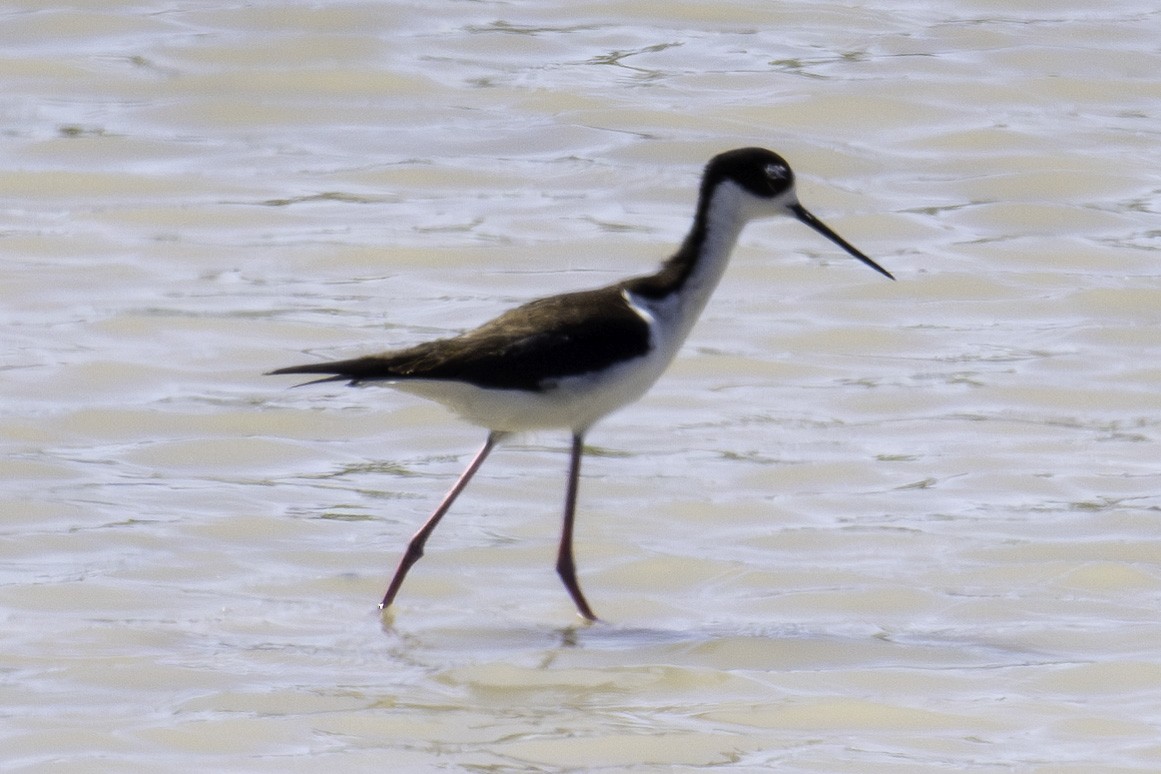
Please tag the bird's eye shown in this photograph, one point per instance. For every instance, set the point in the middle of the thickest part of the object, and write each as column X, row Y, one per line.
column 777, row 171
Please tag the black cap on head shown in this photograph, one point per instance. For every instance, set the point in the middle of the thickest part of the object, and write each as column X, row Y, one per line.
column 761, row 172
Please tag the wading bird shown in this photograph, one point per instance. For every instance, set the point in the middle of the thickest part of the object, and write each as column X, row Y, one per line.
column 566, row 361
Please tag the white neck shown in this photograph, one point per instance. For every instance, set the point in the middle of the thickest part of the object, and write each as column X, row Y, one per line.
column 729, row 210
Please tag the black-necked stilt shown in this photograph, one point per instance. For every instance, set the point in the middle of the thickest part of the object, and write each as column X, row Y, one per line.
column 566, row 361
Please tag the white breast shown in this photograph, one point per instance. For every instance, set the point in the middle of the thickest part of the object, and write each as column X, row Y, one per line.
column 573, row 402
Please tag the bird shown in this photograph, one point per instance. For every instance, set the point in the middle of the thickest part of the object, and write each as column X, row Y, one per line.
column 566, row 361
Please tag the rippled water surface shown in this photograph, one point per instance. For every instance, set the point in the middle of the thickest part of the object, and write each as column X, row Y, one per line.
column 860, row 526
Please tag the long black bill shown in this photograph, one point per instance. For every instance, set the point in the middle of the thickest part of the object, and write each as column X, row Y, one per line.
column 804, row 215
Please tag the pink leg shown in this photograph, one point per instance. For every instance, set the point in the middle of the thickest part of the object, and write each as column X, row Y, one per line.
column 415, row 547
column 565, row 565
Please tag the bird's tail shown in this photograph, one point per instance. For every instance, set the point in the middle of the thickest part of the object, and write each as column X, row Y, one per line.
column 352, row 371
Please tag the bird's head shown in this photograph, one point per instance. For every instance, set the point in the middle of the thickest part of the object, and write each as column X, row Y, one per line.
column 759, row 183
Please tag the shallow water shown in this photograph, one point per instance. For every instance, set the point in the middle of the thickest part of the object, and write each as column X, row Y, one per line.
column 859, row 526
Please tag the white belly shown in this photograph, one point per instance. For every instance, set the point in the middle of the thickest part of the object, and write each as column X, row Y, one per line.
column 574, row 402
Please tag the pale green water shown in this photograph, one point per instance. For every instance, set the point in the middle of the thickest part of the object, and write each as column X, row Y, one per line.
column 860, row 526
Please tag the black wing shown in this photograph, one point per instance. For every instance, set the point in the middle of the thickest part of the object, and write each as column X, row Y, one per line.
column 526, row 348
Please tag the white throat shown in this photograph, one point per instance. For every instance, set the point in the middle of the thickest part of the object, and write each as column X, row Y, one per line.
column 730, row 208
